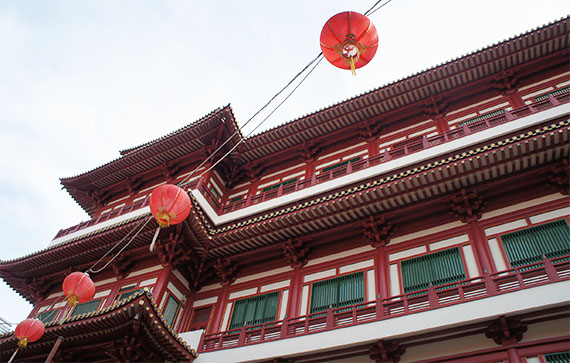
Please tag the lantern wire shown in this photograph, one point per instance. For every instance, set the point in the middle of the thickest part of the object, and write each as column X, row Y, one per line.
column 372, row 10
column 314, row 63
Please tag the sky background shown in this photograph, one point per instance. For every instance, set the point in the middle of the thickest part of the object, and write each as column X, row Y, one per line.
column 81, row 80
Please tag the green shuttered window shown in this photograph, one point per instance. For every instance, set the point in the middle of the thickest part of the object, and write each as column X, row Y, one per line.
column 255, row 310
column 86, row 308
column 126, row 295
column 340, row 291
column 47, row 316
column 170, row 310
column 560, row 357
column 437, row 268
column 528, row 245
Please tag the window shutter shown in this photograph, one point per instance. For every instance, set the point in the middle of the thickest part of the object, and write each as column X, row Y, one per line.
column 47, row 316
column 255, row 310
column 437, row 268
column 528, row 245
column 337, row 292
column 126, row 295
column 560, row 357
column 170, row 310
column 86, row 308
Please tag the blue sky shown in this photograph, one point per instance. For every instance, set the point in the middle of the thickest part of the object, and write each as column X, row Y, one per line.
column 81, row 80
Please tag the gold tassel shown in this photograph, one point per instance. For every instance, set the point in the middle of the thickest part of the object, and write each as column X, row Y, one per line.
column 352, row 68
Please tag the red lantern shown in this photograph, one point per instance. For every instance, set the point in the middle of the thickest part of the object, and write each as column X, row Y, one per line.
column 349, row 40
column 169, row 204
column 29, row 330
column 78, row 287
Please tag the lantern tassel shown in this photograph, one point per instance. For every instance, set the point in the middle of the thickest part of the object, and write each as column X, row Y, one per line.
column 151, row 248
column 352, row 67
column 13, row 355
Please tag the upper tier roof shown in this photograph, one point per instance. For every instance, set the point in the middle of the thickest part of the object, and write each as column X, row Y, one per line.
column 525, row 50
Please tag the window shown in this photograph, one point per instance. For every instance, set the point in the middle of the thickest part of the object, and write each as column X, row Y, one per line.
column 528, row 245
column 294, row 180
column 255, row 310
column 170, row 310
column 437, row 268
column 47, row 316
column 339, row 291
column 86, row 308
column 553, row 93
column 128, row 294
column 236, row 199
column 482, row 117
column 342, row 163
column 559, row 357
column 200, row 318
column 215, row 192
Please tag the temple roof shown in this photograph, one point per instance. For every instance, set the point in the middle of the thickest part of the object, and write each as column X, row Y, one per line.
column 105, row 335
column 526, row 53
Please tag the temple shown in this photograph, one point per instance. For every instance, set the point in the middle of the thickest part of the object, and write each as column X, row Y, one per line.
column 426, row 220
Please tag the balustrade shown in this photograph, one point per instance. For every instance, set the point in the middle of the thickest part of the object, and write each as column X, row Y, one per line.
column 434, row 297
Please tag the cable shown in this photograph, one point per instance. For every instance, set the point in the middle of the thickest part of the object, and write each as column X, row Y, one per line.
column 184, row 181
column 248, row 121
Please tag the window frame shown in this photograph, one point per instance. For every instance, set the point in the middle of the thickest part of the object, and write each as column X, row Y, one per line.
column 100, row 301
column 55, row 310
column 170, row 295
column 462, row 261
column 278, row 296
column 339, row 278
column 500, row 238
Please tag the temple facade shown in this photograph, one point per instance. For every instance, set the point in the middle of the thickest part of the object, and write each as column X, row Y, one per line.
column 424, row 221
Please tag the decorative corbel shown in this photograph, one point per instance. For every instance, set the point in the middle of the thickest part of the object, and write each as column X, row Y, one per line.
column 506, row 330
column 132, row 185
column 172, row 251
column 295, row 253
column 226, row 271
column 121, row 266
column 505, row 82
column 39, row 287
column 467, row 205
column 386, row 351
column 370, row 130
column 377, row 231
column 559, row 177
column 308, row 151
column 435, row 107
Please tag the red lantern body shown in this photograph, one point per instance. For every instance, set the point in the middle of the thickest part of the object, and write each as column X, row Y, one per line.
column 29, row 330
column 78, row 287
column 349, row 40
column 169, row 204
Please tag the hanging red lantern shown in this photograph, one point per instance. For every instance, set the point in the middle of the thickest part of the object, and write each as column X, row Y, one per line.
column 169, row 204
column 78, row 287
column 349, row 40
column 29, row 331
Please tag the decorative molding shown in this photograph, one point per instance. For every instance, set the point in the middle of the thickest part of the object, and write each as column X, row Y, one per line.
column 505, row 82
column 468, row 205
column 377, row 231
column 435, row 107
column 39, row 287
column 308, row 151
column 506, row 331
column 559, row 179
column 121, row 265
column 171, row 251
column 226, row 271
column 386, row 351
column 370, row 130
column 295, row 253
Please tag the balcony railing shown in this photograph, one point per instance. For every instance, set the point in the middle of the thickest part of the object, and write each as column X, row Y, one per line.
column 540, row 273
column 407, row 149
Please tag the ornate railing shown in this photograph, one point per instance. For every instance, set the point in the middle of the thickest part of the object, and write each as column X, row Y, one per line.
column 406, row 149
column 540, row 273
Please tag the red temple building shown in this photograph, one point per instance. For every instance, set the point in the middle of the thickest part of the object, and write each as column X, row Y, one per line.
column 426, row 220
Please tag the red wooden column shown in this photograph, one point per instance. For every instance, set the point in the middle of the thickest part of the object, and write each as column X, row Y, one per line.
column 112, row 294
column 160, row 286
column 482, row 250
column 219, row 310
column 381, row 273
column 294, row 294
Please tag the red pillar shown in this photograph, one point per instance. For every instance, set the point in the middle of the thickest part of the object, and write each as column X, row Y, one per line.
column 513, row 356
column 294, row 294
column 381, row 273
column 112, row 294
column 160, row 286
column 219, row 310
column 481, row 247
